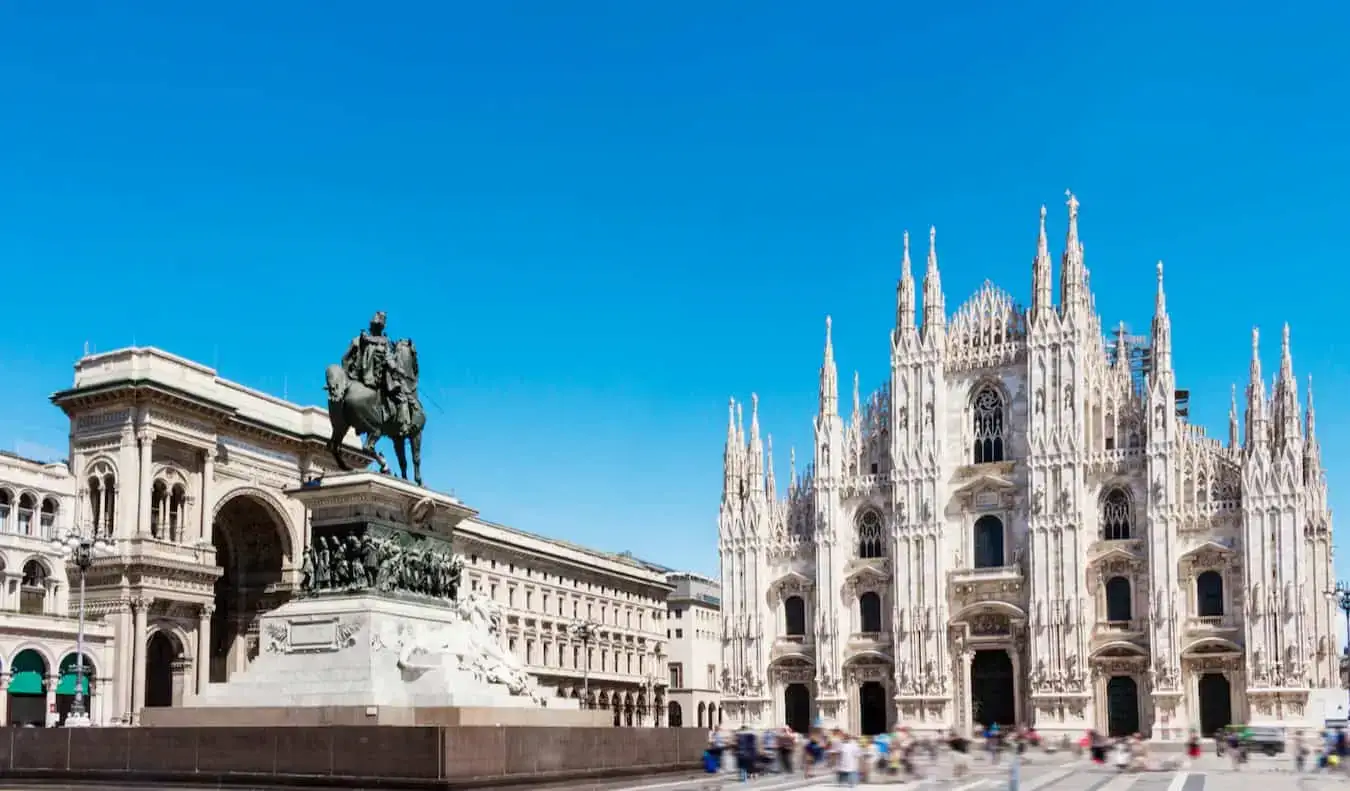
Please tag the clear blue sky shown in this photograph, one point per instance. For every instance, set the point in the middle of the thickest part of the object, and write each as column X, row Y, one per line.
column 601, row 219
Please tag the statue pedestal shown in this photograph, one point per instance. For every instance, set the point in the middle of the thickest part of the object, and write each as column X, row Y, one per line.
column 378, row 638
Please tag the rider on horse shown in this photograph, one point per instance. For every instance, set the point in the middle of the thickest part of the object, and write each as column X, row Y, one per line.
column 369, row 360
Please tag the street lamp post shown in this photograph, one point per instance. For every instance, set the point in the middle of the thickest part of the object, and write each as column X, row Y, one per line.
column 585, row 631
column 80, row 551
column 1341, row 595
column 658, row 663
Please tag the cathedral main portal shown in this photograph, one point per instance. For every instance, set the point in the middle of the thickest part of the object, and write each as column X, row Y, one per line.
column 992, row 688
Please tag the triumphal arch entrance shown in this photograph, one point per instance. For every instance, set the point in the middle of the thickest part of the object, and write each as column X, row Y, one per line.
column 186, row 472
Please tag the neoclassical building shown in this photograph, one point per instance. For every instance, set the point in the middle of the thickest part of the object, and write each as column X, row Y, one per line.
column 186, row 473
column 1023, row 526
column 694, row 631
column 38, row 628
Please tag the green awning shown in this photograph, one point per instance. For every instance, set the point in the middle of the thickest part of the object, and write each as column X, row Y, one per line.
column 26, row 682
column 27, row 674
column 66, row 686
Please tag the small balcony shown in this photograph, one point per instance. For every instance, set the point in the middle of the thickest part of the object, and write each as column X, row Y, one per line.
column 1134, row 630
column 870, row 641
column 1212, row 624
column 792, row 645
column 990, row 583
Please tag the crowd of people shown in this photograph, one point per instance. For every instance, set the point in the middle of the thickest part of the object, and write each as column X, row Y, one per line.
column 902, row 754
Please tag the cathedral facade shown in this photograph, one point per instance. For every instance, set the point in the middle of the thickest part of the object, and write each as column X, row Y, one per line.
column 1023, row 527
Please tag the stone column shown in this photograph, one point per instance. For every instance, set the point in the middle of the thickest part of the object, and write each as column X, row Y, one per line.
column 4, row 698
column 1018, row 686
column 964, row 715
column 203, row 664
column 146, row 441
column 50, row 714
column 141, row 613
column 205, row 528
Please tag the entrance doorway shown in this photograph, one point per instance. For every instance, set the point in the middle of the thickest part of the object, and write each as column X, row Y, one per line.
column 251, row 547
column 993, row 692
column 1216, row 703
column 872, row 708
column 796, row 707
column 162, row 653
column 1122, row 706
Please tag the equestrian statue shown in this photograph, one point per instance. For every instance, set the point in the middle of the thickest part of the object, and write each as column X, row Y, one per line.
column 374, row 390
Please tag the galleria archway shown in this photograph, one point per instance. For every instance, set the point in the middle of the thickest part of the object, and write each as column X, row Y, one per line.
column 164, row 670
column 252, row 545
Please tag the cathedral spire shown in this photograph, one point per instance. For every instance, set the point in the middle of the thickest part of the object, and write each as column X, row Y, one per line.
column 857, row 400
column 792, row 470
column 755, row 453
column 740, row 426
column 1071, row 287
column 904, row 293
column 1286, row 393
column 731, row 456
column 1162, row 329
column 934, row 306
column 1233, row 419
column 1256, row 398
column 829, row 377
column 1312, row 452
column 770, row 485
column 1041, row 300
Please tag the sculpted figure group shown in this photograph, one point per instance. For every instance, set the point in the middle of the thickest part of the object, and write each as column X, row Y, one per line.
column 367, row 563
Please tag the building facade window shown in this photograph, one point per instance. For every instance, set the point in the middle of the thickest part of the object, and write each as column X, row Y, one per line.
column 871, row 535
column 988, row 542
column 794, row 612
column 987, row 422
column 1116, row 516
column 1118, row 596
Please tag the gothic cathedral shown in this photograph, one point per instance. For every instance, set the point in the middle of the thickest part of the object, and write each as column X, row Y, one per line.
column 1023, row 527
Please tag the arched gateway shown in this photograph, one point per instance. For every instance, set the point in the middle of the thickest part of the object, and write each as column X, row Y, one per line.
column 197, row 568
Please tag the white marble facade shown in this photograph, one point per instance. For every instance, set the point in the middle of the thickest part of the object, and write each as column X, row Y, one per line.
column 39, row 601
column 1021, row 525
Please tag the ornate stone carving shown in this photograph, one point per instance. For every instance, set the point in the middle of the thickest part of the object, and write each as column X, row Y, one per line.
column 990, row 624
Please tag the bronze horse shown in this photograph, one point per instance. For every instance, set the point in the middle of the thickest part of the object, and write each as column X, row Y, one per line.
column 352, row 405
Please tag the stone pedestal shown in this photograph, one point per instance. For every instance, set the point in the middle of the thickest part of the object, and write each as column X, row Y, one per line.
column 381, row 633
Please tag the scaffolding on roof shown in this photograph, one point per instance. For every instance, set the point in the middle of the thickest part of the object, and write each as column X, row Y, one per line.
column 1138, row 350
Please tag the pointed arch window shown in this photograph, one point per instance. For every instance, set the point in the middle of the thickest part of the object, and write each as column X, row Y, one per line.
column 987, row 422
column 1116, row 516
column 871, row 537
